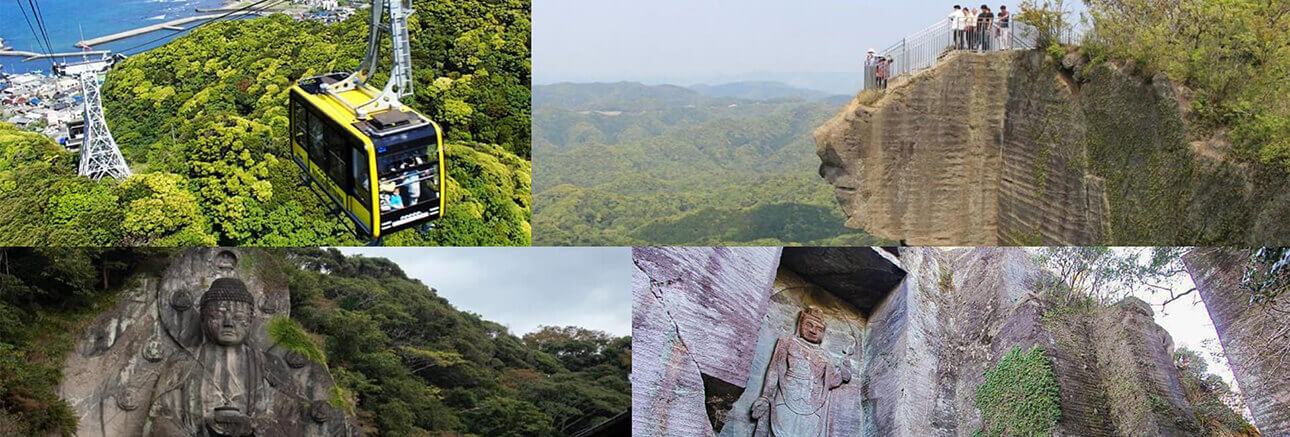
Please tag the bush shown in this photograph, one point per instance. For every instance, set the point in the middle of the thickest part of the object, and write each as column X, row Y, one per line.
column 1020, row 395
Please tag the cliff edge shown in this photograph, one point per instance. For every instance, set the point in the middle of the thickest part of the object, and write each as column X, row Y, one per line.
column 1013, row 148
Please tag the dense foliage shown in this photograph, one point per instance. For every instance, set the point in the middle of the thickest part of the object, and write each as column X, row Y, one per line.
column 1211, row 396
column 1233, row 55
column 203, row 122
column 1019, row 396
column 417, row 365
column 628, row 164
column 43, row 294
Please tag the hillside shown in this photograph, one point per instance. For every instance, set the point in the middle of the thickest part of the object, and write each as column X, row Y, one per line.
column 202, row 122
column 759, row 90
column 627, row 164
column 406, row 361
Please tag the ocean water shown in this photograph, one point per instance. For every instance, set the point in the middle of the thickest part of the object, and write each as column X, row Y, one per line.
column 65, row 20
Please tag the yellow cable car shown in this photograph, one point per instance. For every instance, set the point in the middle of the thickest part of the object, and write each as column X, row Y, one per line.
column 384, row 170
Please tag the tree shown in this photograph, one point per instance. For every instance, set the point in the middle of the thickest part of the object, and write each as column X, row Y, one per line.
column 1217, row 406
column 1107, row 275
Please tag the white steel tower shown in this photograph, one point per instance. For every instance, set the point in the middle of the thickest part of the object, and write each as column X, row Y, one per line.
column 99, row 155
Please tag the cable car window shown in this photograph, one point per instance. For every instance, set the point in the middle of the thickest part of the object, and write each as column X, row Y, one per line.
column 362, row 179
column 338, row 158
column 298, row 123
column 408, row 178
column 317, row 134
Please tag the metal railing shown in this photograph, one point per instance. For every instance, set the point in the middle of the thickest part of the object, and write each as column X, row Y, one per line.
column 925, row 48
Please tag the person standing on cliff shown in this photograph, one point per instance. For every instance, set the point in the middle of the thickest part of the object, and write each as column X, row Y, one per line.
column 969, row 27
column 956, row 27
column 882, row 71
column 984, row 26
column 1004, row 23
column 870, row 70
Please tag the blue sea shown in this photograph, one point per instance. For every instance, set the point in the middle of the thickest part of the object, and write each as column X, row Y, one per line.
column 65, row 20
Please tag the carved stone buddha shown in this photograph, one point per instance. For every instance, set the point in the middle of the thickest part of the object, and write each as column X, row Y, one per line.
column 223, row 389
column 794, row 398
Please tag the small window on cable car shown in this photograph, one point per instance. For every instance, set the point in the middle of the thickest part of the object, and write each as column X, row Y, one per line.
column 408, row 178
column 317, row 137
column 338, row 158
column 298, row 123
column 362, row 179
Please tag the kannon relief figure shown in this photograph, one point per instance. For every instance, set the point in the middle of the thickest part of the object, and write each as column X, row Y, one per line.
column 794, row 398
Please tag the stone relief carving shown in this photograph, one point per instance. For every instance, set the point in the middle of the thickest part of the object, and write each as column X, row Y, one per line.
column 191, row 357
column 795, row 394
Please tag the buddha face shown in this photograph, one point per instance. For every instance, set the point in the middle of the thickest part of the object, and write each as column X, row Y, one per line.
column 811, row 329
column 226, row 322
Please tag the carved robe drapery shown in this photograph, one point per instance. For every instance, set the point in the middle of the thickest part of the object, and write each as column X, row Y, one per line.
column 189, row 389
column 797, row 385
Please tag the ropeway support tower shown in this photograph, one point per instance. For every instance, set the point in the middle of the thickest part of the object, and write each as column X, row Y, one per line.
column 100, row 155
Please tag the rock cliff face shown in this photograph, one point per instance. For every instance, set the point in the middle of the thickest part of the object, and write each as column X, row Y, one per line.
column 117, row 377
column 1254, row 336
column 917, row 357
column 1011, row 148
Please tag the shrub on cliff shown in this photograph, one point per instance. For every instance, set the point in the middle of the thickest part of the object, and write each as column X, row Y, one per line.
column 1019, row 396
column 1232, row 53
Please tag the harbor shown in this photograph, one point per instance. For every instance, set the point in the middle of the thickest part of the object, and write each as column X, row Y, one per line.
column 169, row 25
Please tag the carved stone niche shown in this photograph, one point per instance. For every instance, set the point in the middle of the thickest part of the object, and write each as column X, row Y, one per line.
column 798, row 387
column 801, row 387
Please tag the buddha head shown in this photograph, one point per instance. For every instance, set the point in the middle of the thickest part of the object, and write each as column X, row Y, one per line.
column 810, row 325
column 227, row 309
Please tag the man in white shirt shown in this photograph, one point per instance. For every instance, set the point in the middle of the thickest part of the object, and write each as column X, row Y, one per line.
column 870, row 65
column 956, row 27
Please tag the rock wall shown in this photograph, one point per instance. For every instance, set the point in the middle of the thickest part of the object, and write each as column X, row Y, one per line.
column 695, row 311
column 923, row 350
column 1247, row 332
column 1012, row 148
column 111, row 377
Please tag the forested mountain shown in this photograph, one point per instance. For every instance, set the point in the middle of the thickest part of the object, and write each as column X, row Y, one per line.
column 203, row 120
column 410, row 363
column 759, row 90
column 626, row 163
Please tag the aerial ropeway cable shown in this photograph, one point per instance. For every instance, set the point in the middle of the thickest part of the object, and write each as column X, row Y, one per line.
column 41, row 43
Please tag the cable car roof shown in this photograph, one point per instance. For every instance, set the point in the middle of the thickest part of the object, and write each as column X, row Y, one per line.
column 382, row 123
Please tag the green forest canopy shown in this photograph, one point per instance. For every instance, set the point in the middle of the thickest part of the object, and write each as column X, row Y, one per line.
column 1233, row 55
column 202, row 121
column 410, row 363
column 629, row 164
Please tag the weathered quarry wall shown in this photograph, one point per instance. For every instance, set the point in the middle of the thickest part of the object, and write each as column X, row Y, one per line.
column 695, row 311
column 923, row 350
column 1248, row 333
column 1011, row 148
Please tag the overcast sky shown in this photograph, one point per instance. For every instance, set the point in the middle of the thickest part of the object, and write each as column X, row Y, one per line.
column 679, row 41
column 524, row 288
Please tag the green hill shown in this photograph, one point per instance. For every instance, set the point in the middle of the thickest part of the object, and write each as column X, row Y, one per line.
column 680, row 168
column 202, row 121
column 412, row 363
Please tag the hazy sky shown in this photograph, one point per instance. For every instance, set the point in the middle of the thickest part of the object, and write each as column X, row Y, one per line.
column 523, row 288
column 679, row 40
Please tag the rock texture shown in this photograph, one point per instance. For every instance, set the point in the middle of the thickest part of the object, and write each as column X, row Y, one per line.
column 695, row 312
column 1012, row 148
column 918, row 356
column 111, row 379
column 1249, row 334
